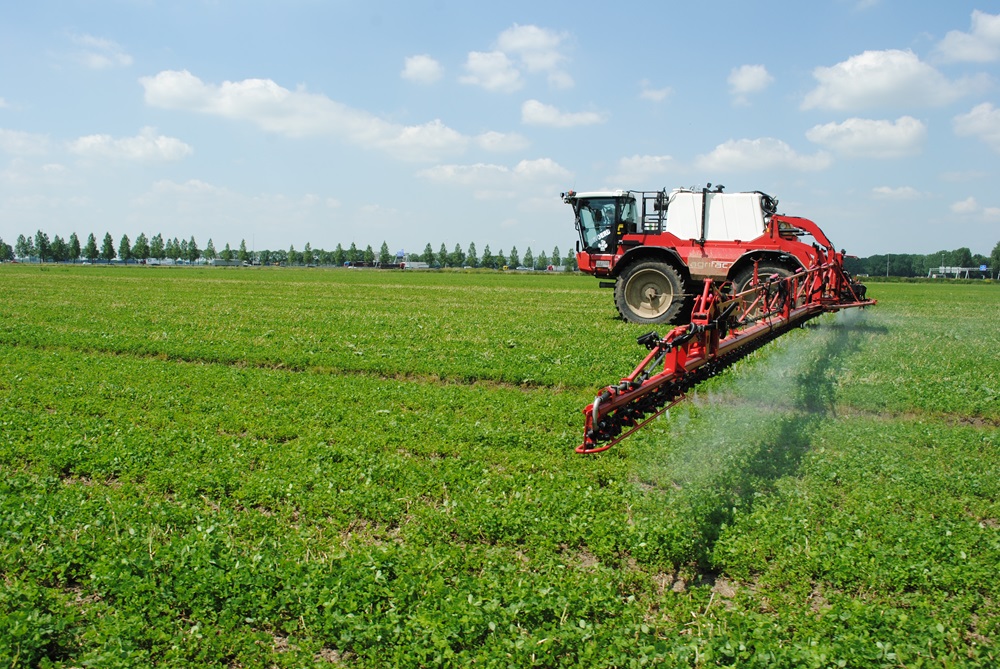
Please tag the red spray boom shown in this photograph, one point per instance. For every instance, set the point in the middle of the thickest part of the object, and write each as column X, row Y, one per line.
column 723, row 329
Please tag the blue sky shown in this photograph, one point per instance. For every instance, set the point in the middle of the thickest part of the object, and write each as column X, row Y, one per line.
column 332, row 122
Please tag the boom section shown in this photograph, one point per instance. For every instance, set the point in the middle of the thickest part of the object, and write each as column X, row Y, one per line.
column 723, row 329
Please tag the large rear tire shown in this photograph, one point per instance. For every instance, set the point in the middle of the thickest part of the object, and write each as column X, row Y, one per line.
column 765, row 271
column 650, row 291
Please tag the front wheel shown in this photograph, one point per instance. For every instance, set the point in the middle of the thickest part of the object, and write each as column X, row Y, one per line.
column 650, row 292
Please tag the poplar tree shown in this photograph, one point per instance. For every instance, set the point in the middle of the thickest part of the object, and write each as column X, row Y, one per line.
column 124, row 249
column 457, row 257
column 90, row 252
column 108, row 248
column 156, row 248
column 42, row 246
column 140, row 249
column 59, row 250
column 23, row 247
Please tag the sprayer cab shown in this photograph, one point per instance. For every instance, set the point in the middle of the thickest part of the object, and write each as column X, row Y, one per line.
column 602, row 218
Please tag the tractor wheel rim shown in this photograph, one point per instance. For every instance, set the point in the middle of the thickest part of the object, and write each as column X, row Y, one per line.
column 649, row 293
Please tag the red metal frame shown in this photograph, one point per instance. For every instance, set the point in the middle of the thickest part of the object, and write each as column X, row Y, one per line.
column 721, row 327
column 715, row 259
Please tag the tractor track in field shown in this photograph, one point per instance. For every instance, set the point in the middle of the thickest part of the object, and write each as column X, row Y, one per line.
column 715, row 397
column 264, row 365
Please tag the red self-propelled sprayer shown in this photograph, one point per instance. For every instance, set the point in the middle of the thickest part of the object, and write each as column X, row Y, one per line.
column 751, row 292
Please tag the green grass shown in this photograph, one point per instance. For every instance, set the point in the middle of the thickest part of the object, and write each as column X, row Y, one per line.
column 285, row 468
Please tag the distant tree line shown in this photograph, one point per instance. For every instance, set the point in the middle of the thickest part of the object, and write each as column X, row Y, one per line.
column 187, row 250
column 143, row 249
column 915, row 264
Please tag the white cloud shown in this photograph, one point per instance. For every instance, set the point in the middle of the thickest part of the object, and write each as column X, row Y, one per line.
column 416, row 141
column 528, row 170
column 99, row 53
column 502, row 142
column 300, row 114
column 146, row 146
column 492, row 70
column 900, row 193
column 967, row 206
column 980, row 45
column 747, row 79
column 422, row 69
column 540, row 169
column 983, row 122
column 653, row 94
column 561, row 80
column 519, row 49
column 491, row 181
column 537, row 48
column 534, row 112
column 758, row 154
column 464, row 175
column 22, row 175
column 637, row 171
column 963, row 175
column 191, row 187
column 3, row 104
column 970, row 207
column 861, row 137
column 20, row 143
column 891, row 78
column 182, row 206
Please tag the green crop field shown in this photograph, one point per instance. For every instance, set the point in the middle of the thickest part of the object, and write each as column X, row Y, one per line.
column 256, row 468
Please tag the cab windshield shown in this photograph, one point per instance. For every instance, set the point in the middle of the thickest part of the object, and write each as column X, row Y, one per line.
column 596, row 218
